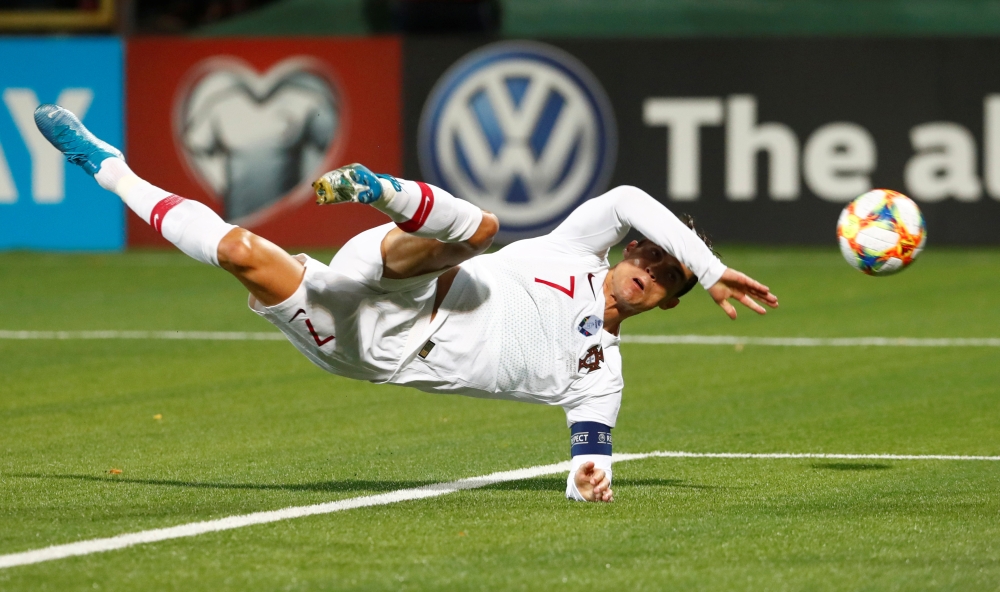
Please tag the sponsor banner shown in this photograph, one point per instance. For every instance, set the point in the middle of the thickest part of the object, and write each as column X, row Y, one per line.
column 245, row 126
column 46, row 203
column 522, row 129
column 764, row 141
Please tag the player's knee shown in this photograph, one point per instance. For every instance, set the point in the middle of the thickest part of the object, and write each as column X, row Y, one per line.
column 237, row 251
column 488, row 229
column 491, row 224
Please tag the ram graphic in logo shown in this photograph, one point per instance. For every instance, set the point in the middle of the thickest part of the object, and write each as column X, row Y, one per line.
column 522, row 130
column 255, row 140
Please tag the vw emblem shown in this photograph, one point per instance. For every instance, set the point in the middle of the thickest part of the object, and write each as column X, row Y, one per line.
column 254, row 139
column 521, row 129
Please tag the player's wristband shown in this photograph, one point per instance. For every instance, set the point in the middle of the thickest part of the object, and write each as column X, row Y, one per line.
column 590, row 437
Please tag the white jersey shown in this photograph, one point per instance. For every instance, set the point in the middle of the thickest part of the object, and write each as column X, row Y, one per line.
column 524, row 323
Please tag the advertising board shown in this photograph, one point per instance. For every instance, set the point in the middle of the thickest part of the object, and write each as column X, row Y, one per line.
column 764, row 141
column 46, row 203
column 245, row 125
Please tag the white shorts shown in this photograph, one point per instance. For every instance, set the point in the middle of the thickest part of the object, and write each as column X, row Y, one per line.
column 349, row 320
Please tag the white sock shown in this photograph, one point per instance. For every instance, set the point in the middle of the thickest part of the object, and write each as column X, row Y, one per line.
column 429, row 211
column 192, row 226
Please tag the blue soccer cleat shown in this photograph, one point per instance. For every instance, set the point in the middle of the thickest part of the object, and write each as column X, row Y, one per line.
column 351, row 183
column 69, row 136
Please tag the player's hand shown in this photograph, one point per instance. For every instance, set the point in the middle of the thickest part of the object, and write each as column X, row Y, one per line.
column 593, row 483
column 743, row 289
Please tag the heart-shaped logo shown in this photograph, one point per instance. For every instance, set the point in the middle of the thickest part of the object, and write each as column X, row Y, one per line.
column 256, row 141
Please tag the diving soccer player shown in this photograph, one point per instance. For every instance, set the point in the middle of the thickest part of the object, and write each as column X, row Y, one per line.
column 415, row 302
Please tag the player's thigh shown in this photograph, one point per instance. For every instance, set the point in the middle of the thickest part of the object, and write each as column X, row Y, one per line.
column 267, row 270
column 405, row 255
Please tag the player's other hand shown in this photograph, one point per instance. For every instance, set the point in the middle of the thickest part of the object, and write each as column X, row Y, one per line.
column 593, row 483
column 743, row 289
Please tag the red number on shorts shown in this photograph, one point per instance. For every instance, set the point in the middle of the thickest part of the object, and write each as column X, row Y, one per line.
column 312, row 331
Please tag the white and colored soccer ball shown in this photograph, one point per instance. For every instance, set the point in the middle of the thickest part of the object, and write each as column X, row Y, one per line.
column 881, row 232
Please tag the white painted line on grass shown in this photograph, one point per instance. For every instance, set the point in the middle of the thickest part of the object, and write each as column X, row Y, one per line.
column 647, row 339
column 812, row 341
column 231, row 522
column 196, row 528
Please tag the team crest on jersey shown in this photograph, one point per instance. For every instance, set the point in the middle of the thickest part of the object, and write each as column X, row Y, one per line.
column 590, row 325
column 592, row 359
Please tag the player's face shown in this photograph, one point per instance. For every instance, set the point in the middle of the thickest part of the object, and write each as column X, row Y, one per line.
column 648, row 277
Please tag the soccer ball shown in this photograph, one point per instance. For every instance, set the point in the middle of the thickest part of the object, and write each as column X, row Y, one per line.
column 881, row 232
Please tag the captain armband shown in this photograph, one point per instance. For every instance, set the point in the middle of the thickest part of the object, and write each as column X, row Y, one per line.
column 590, row 437
column 590, row 441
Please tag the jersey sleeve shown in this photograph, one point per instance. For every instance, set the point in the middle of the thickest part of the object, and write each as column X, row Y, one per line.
column 602, row 222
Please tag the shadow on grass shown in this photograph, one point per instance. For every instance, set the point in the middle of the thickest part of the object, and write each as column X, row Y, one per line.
column 347, row 485
column 356, row 485
column 559, row 484
column 852, row 466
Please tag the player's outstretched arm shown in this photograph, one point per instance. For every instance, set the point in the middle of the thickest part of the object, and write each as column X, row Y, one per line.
column 589, row 478
column 744, row 289
column 604, row 221
column 593, row 483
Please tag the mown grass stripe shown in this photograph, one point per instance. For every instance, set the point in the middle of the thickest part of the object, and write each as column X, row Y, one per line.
column 196, row 528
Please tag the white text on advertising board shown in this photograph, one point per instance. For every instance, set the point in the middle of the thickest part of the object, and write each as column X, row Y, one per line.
column 836, row 160
column 48, row 185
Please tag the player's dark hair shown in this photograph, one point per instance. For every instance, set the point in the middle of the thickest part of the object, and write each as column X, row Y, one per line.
column 688, row 221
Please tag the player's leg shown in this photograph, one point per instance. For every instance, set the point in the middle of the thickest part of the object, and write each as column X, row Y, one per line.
column 435, row 231
column 270, row 273
column 265, row 269
column 406, row 255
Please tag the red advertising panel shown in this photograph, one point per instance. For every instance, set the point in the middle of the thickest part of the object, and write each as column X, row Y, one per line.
column 246, row 125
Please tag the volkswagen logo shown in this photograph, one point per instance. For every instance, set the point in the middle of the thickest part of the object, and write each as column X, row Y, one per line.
column 521, row 129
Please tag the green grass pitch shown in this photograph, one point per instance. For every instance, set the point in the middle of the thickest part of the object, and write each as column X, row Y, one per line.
column 251, row 426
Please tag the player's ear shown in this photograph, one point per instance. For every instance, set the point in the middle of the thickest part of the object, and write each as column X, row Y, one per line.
column 670, row 303
column 628, row 248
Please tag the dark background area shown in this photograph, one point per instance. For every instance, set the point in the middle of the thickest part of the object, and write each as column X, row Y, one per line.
column 887, row 86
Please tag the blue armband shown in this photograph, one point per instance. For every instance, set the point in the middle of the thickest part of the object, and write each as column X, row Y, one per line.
column 590, row 437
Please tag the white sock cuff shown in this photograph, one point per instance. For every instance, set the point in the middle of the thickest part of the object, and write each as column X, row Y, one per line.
column 194, row 228
column 466, row 223
column 112, row 171
column 439, row 214
column 400, row 205
column 140, row 196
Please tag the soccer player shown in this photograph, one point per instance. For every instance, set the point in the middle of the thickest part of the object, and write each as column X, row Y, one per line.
column 415, row 302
